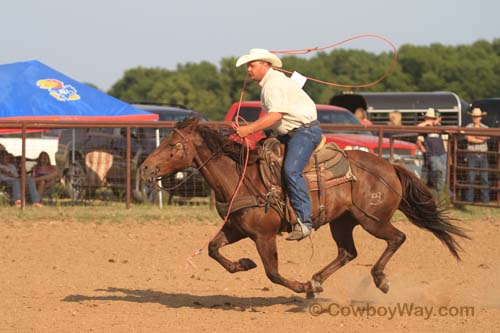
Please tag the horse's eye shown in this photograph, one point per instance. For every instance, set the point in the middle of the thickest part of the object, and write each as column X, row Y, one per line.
column 177, row 145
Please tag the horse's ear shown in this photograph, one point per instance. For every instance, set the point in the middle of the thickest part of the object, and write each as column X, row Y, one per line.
column 196, row 121
column 193, row 122
column 189, row 123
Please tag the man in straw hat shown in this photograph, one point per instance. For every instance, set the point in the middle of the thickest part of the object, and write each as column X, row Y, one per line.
column 432, row 146
column 291, row 113
column 477, row 158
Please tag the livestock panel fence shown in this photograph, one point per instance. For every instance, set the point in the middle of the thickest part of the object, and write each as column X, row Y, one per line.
column 100, row 160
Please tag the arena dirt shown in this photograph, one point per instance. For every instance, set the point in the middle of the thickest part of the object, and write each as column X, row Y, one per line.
column 76, row 277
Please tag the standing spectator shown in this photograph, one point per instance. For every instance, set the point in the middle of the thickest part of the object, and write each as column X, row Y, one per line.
column 395, row 118
column 477, row 147
column 44, row 173
column 10, row 176
column 432, row 146
column 360, row 113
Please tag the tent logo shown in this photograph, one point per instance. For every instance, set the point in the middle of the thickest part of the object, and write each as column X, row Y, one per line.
column 57, row 89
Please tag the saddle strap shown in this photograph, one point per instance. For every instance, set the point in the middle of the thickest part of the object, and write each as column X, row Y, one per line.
column 238, row 204
column 321, row 191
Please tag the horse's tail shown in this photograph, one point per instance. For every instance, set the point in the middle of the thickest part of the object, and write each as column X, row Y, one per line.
column 420, row 208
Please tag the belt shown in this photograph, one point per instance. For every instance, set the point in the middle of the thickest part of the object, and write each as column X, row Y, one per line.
column 311, row 124
column 290, row 134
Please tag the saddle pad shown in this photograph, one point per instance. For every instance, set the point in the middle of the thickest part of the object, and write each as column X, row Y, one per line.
column 329, row 154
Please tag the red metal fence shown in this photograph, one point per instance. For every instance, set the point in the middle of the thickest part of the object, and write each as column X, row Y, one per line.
column 117, row 148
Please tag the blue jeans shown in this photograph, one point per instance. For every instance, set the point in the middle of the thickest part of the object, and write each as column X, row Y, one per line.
column 437, row 171
column 477, row 161
column 15, row 185
column 300, row 145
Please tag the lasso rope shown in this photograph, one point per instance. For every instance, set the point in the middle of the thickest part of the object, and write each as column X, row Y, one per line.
column 235, row 125
column 304, row 51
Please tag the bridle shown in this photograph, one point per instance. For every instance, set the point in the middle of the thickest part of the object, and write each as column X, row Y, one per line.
column 182, row 146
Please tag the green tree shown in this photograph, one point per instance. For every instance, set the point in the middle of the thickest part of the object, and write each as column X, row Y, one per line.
column 471, row 71
column 137, row 84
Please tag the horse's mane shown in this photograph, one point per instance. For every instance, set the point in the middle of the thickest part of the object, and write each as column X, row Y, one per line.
column 215, row 141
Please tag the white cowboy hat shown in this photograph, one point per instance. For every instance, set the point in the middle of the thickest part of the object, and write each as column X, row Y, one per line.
column 431, row 113
column 259, row 54
column 476, row 112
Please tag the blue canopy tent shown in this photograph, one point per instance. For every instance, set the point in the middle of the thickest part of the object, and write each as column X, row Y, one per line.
column 31, row 90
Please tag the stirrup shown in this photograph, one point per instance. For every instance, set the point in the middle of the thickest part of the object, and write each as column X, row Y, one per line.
column 300, row 231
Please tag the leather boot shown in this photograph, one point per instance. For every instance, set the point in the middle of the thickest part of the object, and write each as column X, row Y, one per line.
column 300, row 231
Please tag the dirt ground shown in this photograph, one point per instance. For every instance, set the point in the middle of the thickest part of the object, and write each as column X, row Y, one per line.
column 74, row 277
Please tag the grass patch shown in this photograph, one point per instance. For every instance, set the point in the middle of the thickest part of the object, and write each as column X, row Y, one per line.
column 193, row 211
column 475, row 213
column 111, row 212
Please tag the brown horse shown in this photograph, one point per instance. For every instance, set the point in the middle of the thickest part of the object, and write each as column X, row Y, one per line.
column 379, row 190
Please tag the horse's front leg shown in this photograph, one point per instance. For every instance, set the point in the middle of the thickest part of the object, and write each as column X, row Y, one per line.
column 229, row 235
column 266, row 246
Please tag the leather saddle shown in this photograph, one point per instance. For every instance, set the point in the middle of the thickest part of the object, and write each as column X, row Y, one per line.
column 327, row 167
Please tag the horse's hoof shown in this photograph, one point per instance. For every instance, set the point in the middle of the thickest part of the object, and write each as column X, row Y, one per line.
column 313, row 287
column 247, row 264
column 310, row 295
column 384, row 286
column 316, row 286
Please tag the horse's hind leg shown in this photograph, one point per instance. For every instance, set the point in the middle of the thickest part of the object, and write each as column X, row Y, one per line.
column 341, row 230
column 228, row 236
column 394, row 239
